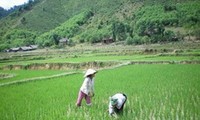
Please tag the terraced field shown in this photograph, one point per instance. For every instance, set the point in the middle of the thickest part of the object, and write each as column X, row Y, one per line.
column 160, row 83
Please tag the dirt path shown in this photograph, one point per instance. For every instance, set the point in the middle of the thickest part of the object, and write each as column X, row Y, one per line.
column 37, row 78
column 54, row 76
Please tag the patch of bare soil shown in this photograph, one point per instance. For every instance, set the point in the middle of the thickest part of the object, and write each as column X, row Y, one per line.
column 5, row 75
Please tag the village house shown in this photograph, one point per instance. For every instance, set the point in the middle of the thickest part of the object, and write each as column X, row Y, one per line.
column 63, row 41
column 107, row 40
column 13, row 49
column 34, row 47
column 23, row 48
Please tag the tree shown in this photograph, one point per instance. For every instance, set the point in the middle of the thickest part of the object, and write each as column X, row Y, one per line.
column 120, row 30
column 56, row 39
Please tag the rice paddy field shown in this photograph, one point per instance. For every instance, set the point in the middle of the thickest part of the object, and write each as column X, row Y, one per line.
column 155, row 91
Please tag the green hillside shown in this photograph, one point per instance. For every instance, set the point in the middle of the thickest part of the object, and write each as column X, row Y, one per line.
column 44, row 22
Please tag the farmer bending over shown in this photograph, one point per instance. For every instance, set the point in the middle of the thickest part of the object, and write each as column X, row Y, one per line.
column 116, row 103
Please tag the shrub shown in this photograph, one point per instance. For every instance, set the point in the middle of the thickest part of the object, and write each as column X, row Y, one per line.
column 136, row 39
column 120, row 30
column 145, row 39
column 129, row 40
column 169, row 36
column 4, row 46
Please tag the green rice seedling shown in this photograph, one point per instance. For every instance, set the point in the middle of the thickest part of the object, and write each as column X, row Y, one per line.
column 154, row 91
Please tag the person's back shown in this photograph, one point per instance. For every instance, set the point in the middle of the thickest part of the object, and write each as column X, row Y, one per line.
column 116, row 103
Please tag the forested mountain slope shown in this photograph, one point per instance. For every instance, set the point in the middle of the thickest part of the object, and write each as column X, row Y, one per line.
column 45, row 22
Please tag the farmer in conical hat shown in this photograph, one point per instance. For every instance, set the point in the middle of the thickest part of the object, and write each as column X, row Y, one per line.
column 116, row 103
column 87, row 88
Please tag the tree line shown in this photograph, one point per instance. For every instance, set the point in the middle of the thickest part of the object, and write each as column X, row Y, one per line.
column 148, row 24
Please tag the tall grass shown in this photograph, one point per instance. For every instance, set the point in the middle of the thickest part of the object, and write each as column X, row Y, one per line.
column 154, row 92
